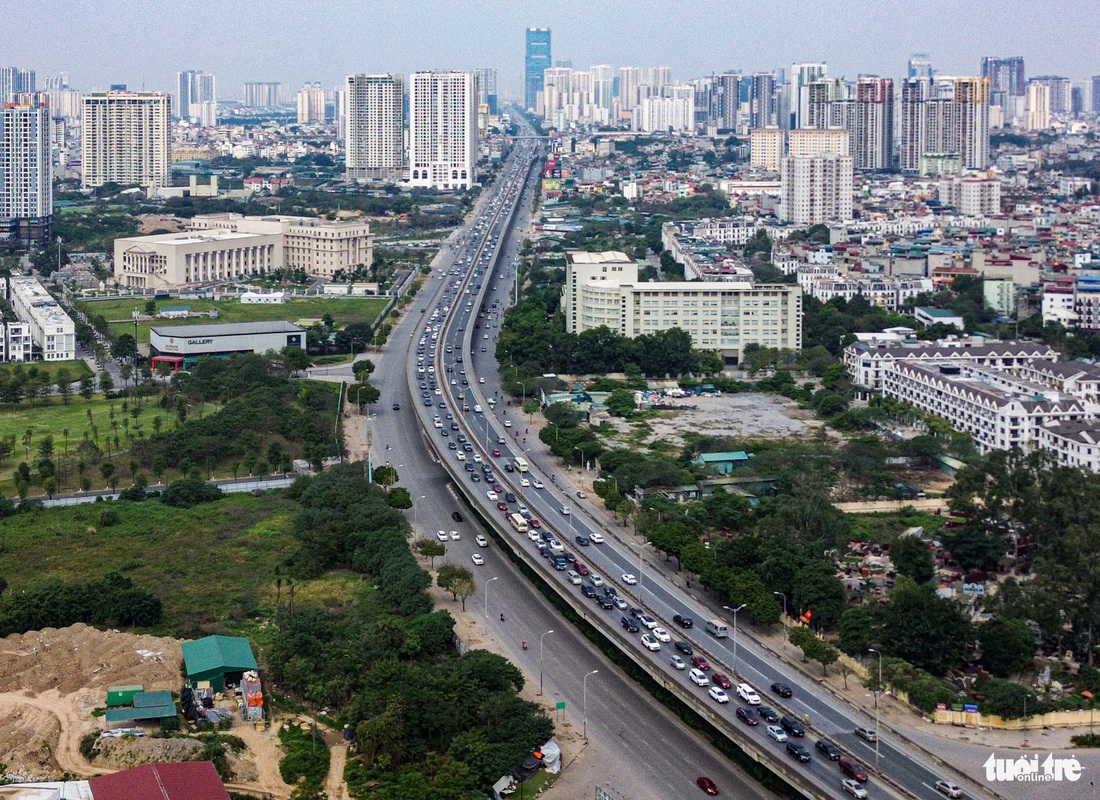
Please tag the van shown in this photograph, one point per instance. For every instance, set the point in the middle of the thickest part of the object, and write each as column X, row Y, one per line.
column 560, row 563
column 699, row 678
column 717, row 628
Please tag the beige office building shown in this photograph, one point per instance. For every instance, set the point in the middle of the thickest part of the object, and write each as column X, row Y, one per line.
column 602, row 289
column 126, row 139
column 767, row 147
column 819, row 142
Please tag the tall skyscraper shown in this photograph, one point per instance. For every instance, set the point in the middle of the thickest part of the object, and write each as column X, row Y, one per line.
column 948, row 115
column 26, row 178
column 126, row 139
column 762, row 100
column 193, row 88
column 536, row 61
column 920, row 66
column 725, row 96
column 443, row 130
column 487, row 88
column 375, row 133
column 13, row 81
column 915, row 92
column 1059, row 92
column 1007, row 78
column 311, row 104
column 660, row 76
column 822, row 95
column 874, row 124
column 1038, row 106
column 262, row 94
column 802, row 75
column 630, row 78
column 1096, row 94
column 602, row 81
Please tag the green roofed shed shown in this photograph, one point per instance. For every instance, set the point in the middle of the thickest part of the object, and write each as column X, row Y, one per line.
column 213, row 657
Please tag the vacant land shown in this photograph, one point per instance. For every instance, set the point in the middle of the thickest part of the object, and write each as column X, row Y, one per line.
column 345, row 311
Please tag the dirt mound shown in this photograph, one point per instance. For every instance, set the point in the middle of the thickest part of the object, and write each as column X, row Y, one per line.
column 79, row 657
column 131, row 751
column 29, row 736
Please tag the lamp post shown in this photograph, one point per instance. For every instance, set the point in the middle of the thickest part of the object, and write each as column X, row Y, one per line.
column 641, row 548
column 877, row 690
column 523, row 387
column 780, row 594
column 487, row 599
column 734, row 610
column 540, row 657
column 415, row 508
column 584, row 704
column 578, row 447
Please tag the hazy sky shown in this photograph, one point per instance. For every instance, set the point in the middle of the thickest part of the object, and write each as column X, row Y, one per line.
column 144, row 42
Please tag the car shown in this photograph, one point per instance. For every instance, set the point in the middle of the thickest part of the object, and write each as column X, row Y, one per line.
column 795, row 750
column 674, row 660
column 605, row 602
column 598, row 581
column 460, row 456
column 475, row 478
column 630, row 579
column 496, row 453
column 509, row 468
column 781, row 689
column 718, row 695
column 454, row 536
column 748, row 694
column 442, row 536
column 456, row 516
column 685, row 647
column 650, row 642
column 481, row 380
column 481, row 541
column 777, row 733
column 854, row 789
column 477, row 559
column 660, row 633
column 581, row 495
column 492, row 495
column 587, row 590
column 682, row 621
column 747, row 715
column 792, row 726
column 948, row 788
column 867, row 734
column 535, row 523
column 452, row 445
column 544, row 551
column 581, row 568
column 540, row 485
column 583, row 541
column 707, row 785
column 524, row 482
column 502, row 506
column 768, row 714
column 477, row 458
column 699, row 678
column 565, row 511
column 648, row 621
column 700, row 662
column 396, row 406
column 507, row 423
column 852, row 769
column 498, row 488
column 827, row 749
column 622, row 606
column 630, row 625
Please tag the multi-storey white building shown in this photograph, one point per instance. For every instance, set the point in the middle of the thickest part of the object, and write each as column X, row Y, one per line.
column 193, row 88
column 26, row 176
column 664, row 114
column 1075, row 443
column 443, row 130
column 767, row 147
column 311, row 104
column 972, row 195
column 51, row 330
column 375, row 127
column 816, row 189
column 887, row 293
column 814, row 142
column 602, row 289
column 16, row 343
column 126, row 139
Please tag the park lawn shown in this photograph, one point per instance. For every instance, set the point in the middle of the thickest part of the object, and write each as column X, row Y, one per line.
column 346, row 311
column 78, row 368
column 213, row 565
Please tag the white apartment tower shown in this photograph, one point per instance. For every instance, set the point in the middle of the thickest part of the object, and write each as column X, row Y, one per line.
column 311, row 104
column 1038, row 106
column 26, row 185
column 443, row 130
column 816, row 189
column 126, row 138
column 802, row 75
column 193, row 88
column 767, row 147
column 375, row 127
column 630, row 78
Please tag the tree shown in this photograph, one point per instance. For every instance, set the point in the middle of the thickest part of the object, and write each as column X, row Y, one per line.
column 362, row 369
column 1008, row 647
column 384, row 475
column 620, row 402
column 124, row 346
column 64, row 380
column 457, row 580
column 295, row 359
column 87, row 387
column 912, row 557
column 399, row 497
column 858, row 632
column 431, row 549
column 927, row 631
column 363, row 393
column 817, row 589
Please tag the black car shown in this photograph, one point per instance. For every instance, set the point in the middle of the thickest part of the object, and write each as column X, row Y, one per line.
column 396, row 406
column 798, row 751
column 767, row 713
column 544, row 551
column 586, row 589
column 682, row 621
column 452, row 445
column 509, row 468
column 456, row 516
column 609, row 591
column 781, row 689
column 583, row 541
column 630, row 625
column 792, row 726
column 685, row 648
column 636, row 612
column 828, row 749
column 605, row 602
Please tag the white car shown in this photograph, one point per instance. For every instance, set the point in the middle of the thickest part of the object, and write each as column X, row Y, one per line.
column 491, row 494
column 748, row 694
column 948, row 788
column 454, row 536
column 650, row 643
column 481, row 380
column 460, row 456
column 596, row 538
column 622, row 605
column 777, row 733
column 477, row 559
column 481, row 541
column 438, row 423
column 507, row 423
column 661, row 634
column 565, row 511
column 629, row 579
column 596, row 580
column 477, row 458
column 648, row 621
column 534, row 535
column 442, row 536
column 524, row 482
column 538, row 484
column 854, row 788
column 699, row 678
column 521, row 508
column 717, row 695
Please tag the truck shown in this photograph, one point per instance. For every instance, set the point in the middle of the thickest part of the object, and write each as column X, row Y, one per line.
column 717, row 628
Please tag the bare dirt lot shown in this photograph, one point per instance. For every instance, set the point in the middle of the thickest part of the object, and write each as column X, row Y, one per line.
column 159, row 222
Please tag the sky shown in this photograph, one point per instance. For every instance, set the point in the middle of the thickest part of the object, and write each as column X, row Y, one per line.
column 142, row 43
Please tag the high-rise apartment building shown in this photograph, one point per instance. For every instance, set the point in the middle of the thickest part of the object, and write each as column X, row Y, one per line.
column 920, row 66
column 26, row 178
column 767, row 147
column 126, row 139
column 443, row 130
column 675, row 113
column 1007, row 78
column 819, row 142
column 1038, row 106
column 311, row 104
column 725, row 96
column 659, row 77
column 487, row 89
column 536, row 62
column 874, row 124
column 1096, row 94
column 375, row 132
column 262, row 94
column 802, row 75
column 1059, row 92
column 630, row 78
column 193, row 88
column 915, row 92
column 13, row 81
column 815, row 189
column 762, row 100
column 602, row 83
column 822, row 96
column 947, row 115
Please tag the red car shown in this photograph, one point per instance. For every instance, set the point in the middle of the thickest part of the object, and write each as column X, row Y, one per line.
column 497, row 487
column 720, row 679
column 502, row 506
column 707, row 785
column 700, row 663
column 496, row 454
column 580, row 568
column 536, row 524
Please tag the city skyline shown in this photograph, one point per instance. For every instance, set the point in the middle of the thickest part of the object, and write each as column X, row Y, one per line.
column 1049, row 35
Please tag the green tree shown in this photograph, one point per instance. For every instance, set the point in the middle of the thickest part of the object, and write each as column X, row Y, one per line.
column 1008, row 647
column 927, row 631
column 295, row 359
column 63, row 377
column 858, row 631
column 431, row 549
column 459, row 581
column 399, row 497
column 362, row 369
column 87, row 387
column 912, row 557
column 620, row 402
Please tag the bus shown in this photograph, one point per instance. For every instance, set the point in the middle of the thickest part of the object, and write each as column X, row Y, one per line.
column 518, row 522
column 521, row 464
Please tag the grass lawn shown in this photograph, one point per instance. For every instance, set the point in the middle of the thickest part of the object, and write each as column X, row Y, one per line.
column 881, row 528
column 212, row 565
column 78, row 368
column 345, row 311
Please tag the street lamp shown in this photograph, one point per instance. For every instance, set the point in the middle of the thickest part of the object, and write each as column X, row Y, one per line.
column 578, row 447
column 415, row 509
column 734, row 610
column 584, row 704
column 487, row 599
column 780, row 594
column 877, row 690
column 540, row 657
column 641, row 549
column 523, row 386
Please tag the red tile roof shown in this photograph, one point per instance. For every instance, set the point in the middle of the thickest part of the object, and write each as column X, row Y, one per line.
column 188, row 780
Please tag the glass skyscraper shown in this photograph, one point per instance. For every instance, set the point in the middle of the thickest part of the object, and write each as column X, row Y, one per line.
column 536, row 60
